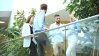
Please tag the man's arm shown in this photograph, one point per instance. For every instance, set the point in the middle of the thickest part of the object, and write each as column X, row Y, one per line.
column 78, row 27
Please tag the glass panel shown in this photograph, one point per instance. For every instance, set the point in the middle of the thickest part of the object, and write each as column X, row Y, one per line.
column 57, row 41
column 86, row 42
column 13, row 48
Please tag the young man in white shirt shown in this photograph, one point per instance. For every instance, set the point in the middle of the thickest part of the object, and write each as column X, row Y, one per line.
column 56, row 36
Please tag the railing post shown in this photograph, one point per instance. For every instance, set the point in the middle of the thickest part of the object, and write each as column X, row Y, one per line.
column 65, row 43
column 97, row 32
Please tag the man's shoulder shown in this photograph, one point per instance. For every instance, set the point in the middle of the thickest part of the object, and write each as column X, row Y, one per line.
column 52, row 24
column 78, row 24
column 39, row 14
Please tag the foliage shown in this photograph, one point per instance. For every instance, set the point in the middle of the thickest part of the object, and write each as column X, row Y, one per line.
column 9, row 48
column 83, row 8
column 19, row 20
column 13, row 47
column 33, row 10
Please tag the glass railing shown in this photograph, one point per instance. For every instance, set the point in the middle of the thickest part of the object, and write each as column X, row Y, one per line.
column 87, row 43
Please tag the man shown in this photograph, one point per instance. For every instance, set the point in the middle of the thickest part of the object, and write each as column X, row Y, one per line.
column 72, row 36
column 56, row 36
column 39, row 26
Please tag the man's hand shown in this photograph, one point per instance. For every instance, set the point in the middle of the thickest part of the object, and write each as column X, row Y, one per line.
column 45, row 29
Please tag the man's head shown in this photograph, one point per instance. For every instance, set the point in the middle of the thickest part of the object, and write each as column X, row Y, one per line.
column 57, row 18
column 44, row 7
column 72, row 18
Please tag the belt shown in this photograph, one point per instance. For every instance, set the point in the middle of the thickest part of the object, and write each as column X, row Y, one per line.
column 38, row 30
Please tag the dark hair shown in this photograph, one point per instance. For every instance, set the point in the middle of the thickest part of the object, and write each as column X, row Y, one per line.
column 56, row 15
column 29, row 18
column 43, row 6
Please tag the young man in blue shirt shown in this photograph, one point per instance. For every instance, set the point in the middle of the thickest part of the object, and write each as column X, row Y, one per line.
column 39, row 26
column 72, row 36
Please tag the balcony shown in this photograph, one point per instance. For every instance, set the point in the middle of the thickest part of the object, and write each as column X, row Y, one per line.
column 87, row 44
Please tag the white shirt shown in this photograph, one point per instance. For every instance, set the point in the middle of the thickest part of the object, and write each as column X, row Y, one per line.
column 56, row 34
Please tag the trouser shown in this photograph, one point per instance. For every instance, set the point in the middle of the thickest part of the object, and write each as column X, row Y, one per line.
column 33, row 49
column 40, row 48
column 40, row 38
column 57, row 49
column 71, row 50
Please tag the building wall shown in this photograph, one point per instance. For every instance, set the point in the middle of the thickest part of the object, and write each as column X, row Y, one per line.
column 6, row 5
column 5, row 12
column 63, row 14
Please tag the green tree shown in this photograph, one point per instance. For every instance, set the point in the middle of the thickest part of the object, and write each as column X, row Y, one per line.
column 33, row 11
column 19, row 19
column 13, row 47
column 83, row 8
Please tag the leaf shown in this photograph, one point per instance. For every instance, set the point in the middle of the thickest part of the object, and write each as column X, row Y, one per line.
column 82, row 8
column 64, row 1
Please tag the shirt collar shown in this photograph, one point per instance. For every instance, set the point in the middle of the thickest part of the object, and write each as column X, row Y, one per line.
column 42, row 10
column 57, row 24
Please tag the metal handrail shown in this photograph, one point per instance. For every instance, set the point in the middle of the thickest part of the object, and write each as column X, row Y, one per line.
column 55, row 28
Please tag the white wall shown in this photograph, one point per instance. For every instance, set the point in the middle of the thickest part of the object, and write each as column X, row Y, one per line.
column 26, row 5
